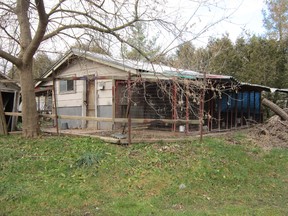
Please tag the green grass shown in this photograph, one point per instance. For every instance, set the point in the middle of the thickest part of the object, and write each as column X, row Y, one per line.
column 84, row 176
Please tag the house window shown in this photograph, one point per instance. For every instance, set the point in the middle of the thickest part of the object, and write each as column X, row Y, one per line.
column 67, row 86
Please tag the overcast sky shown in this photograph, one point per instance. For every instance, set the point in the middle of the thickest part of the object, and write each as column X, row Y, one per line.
column 248, row 16
column 242, row 15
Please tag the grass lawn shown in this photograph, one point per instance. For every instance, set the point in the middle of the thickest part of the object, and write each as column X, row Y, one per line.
column 85, row 176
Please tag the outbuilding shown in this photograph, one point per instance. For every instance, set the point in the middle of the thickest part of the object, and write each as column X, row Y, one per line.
column 88, row 84
column 10, row 92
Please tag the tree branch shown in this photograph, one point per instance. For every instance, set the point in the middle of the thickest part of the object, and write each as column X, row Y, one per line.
column 9, row 35
column 8, row 6
column 101, row 28
column 42, row 25
column 106, row 29
column 55, row 8
column 10, row 58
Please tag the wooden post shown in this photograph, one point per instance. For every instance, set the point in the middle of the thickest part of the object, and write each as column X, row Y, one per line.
column 201, row 115
column 254, row 110
column 113, row 104
column 211, row 114
column 219, row 113
column 236, row 109
column 208, row 112
column 260, row 109
column 38, row 103
column 248, row 105
column 3, row 125
column 231, row 114
column 55, row 105
column 15, row 109
column 174, row 108
column 187, row 112
column 242, row 102
column 86, row 102
column 227, row 114
column 129, row 107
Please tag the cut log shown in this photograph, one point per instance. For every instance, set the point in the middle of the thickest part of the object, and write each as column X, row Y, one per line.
column 275, row 108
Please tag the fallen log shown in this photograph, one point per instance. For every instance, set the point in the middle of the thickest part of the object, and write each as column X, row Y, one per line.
column 275, row 108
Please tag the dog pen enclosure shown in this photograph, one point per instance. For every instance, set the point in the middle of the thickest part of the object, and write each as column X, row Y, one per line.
column 90, row 90
column 169, row 104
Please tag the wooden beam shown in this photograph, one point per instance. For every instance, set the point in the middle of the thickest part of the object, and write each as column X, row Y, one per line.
column 55, row 105
column 3, row 125
column 113, row 102
column 102, row 119
column 83, row 78
column 9, row 81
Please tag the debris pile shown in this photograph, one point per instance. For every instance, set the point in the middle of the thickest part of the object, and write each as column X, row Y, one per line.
column 274, row 133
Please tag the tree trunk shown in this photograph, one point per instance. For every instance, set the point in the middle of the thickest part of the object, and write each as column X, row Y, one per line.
column 3, row 125
column 276, row 109
column 30, row 127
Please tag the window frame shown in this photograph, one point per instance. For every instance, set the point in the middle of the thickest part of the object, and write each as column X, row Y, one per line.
column 66, row 91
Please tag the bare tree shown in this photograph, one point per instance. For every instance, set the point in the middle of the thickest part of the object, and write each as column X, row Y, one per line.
column 27, row 26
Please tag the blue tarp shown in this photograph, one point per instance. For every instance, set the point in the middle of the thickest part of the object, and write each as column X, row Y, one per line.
column 243, row 100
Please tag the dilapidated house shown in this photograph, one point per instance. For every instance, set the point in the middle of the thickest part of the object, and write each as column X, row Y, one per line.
column 88, row 84
column 11, row 97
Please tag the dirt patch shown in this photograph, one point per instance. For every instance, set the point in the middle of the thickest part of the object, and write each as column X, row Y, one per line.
column 274, row 133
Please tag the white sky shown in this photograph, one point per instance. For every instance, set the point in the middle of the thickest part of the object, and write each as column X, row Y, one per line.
column 248, row 16
column 244, row 15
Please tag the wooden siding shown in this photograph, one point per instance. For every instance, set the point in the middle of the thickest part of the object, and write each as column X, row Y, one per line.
column 84, row 68
column 105, row 94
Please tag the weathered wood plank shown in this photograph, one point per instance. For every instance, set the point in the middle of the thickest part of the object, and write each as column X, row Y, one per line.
column 102, row 119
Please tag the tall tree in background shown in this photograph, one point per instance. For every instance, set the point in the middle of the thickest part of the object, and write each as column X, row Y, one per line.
column 253, row 59
column 276, row 19
column 93, row 45
column 258, row 59
column 189, row 57
column 185, row 56
column 139, row 38
column 276, row 23
column 41, row 63
column 222, row 56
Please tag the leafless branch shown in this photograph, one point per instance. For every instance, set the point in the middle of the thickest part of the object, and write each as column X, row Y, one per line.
column 37, row 39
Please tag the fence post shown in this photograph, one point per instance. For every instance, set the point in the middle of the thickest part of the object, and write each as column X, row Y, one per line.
column 3, row 125
column 129, row 105
column 55, row 105
column 202, row 103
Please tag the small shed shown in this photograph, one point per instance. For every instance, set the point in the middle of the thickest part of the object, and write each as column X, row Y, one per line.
column 88, row 84
column 10, row 92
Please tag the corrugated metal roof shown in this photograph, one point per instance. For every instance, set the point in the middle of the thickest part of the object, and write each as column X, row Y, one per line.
column 135, row 66
column 150, row 70
column 140, row 66
column 282, row 90
column 263, row 88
